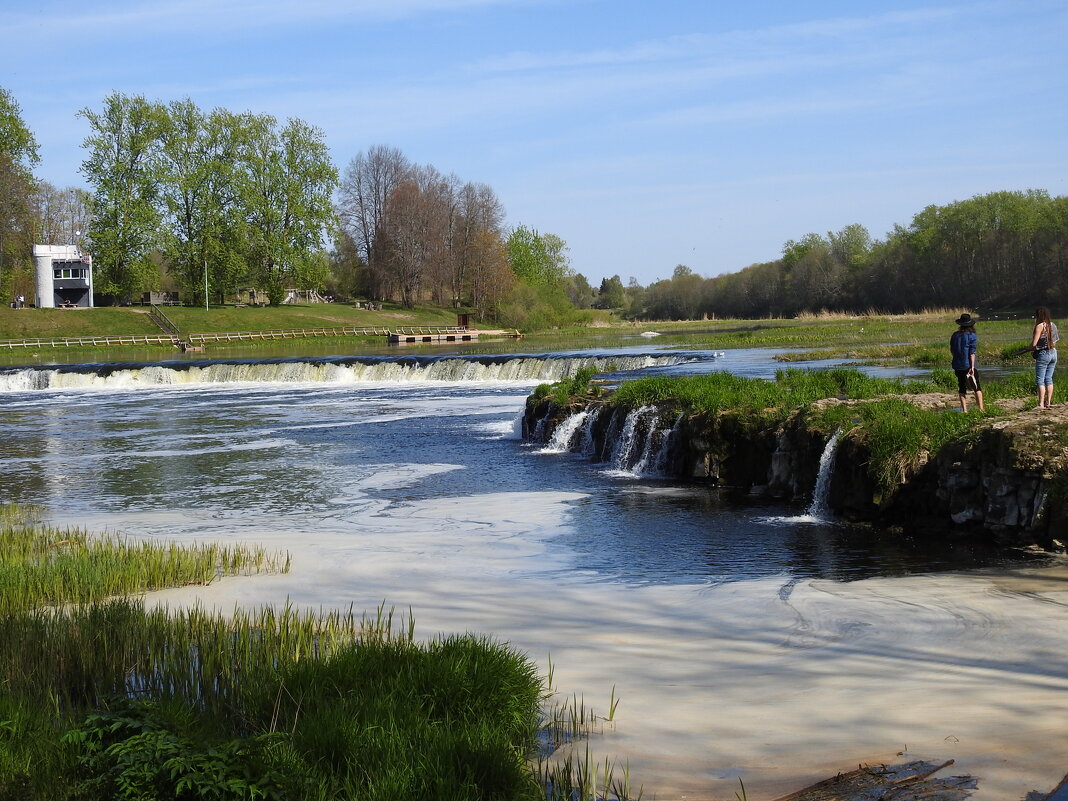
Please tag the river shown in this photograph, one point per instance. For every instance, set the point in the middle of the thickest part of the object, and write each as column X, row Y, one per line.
column 745, row 640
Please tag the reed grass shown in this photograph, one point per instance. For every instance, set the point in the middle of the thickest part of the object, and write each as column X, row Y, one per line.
column 41, row 566
column 103, row 698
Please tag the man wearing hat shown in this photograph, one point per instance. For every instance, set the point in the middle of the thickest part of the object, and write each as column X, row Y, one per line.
column 962, row 345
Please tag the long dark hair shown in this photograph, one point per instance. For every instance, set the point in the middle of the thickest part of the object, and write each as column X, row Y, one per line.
column 1042, row 315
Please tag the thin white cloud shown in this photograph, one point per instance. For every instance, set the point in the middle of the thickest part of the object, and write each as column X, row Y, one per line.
column 211, row 16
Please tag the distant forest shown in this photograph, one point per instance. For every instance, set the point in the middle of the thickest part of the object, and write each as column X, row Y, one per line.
column 1004, row 250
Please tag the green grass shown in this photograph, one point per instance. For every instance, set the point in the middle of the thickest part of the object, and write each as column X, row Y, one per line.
column 117, row 321
column 897, row 433
column 43, row 566
column 102, row 697
column 717, row 392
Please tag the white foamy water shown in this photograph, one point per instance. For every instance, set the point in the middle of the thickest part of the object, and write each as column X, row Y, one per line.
column 734, row 650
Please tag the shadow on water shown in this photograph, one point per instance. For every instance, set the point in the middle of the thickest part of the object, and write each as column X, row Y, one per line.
column 667, row 533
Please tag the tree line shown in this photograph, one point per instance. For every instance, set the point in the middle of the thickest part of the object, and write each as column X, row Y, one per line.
column 215, row 201
column 1001, row 250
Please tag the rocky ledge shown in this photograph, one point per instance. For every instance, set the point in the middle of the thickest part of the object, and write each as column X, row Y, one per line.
column 1008, row 475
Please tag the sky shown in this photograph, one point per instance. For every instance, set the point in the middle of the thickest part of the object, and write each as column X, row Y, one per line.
column 646, row 135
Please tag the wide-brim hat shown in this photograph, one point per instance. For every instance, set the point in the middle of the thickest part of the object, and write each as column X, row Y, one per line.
column 965, row 319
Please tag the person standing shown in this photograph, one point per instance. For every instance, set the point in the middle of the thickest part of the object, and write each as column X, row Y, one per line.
column 1044, row 341
column 963, row 344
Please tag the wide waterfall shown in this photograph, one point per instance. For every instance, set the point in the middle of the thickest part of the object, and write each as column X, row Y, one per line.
column 337, row 370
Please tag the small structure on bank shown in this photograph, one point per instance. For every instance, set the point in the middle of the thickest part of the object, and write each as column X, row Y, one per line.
column 64, row 277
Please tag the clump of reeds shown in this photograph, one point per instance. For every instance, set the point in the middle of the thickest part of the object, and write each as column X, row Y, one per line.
column 43, row 565
column 103, row 698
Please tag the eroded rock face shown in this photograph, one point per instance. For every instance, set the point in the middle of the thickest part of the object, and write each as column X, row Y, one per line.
column 1009, row 477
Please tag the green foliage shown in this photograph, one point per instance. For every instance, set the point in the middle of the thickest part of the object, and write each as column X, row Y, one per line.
column 898, row 434
column 272, row 704
column 132, row 752
column 537, row 308
column 17, row 141
column 46, row 566
column 124, row 168
column 578, row 385
column 537, row 259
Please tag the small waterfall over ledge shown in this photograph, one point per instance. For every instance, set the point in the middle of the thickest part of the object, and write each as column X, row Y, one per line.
column 629, row 442
column 819, row 508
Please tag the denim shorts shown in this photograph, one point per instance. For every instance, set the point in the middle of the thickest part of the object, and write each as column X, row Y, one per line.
column 1045, row 364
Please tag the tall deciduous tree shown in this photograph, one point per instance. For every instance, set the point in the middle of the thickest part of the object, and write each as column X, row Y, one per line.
column 204, row 239
column 18, row 155
column 368, row 184
column 538, row 259
column 288, row 184
column 61, row 214
column 124, row 168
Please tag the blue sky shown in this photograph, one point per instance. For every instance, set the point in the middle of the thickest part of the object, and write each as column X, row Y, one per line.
column 644, row 134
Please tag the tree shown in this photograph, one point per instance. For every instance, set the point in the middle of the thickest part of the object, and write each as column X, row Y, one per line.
column 204, row 241
column 61, row 215
column 612, row 294
column 125, row 170
column 579, row 291
column 364, row 192
column 288, row 181
column 348, row 273
column 489, row 275
column 18, row 155
column 538, row 259
column 17, row 141
column 476, row 236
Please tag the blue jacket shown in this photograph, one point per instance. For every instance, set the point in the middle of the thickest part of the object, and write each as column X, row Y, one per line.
column 962, row 345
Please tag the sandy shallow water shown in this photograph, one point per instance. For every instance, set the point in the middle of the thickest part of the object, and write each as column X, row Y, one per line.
column 779, row 683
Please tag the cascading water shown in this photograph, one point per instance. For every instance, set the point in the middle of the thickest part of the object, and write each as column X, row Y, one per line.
column 339, row 370
column 819, row 508
column 560, row 441
column 542, row 424
column 631, row 437
column 588, row 446
column 663, row 454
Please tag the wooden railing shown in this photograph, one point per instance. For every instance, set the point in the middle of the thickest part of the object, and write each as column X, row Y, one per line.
column 97, row 341
column 287, row 333
column 175, row 338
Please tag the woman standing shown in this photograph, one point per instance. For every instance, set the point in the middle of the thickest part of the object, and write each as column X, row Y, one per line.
column 963, row 344
column 1044, row 345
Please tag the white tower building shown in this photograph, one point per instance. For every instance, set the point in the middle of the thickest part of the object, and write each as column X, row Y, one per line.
column 64, row 276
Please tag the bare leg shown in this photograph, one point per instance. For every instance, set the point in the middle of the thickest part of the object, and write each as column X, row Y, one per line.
column 1042, row 397
column 1049, row 396
column 963, row 403
column 979, row 399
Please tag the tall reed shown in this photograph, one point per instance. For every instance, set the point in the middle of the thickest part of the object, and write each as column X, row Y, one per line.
column 102, row 697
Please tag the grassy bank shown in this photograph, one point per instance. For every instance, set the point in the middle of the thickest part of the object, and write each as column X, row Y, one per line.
column 116, row 321
column 103, row 698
